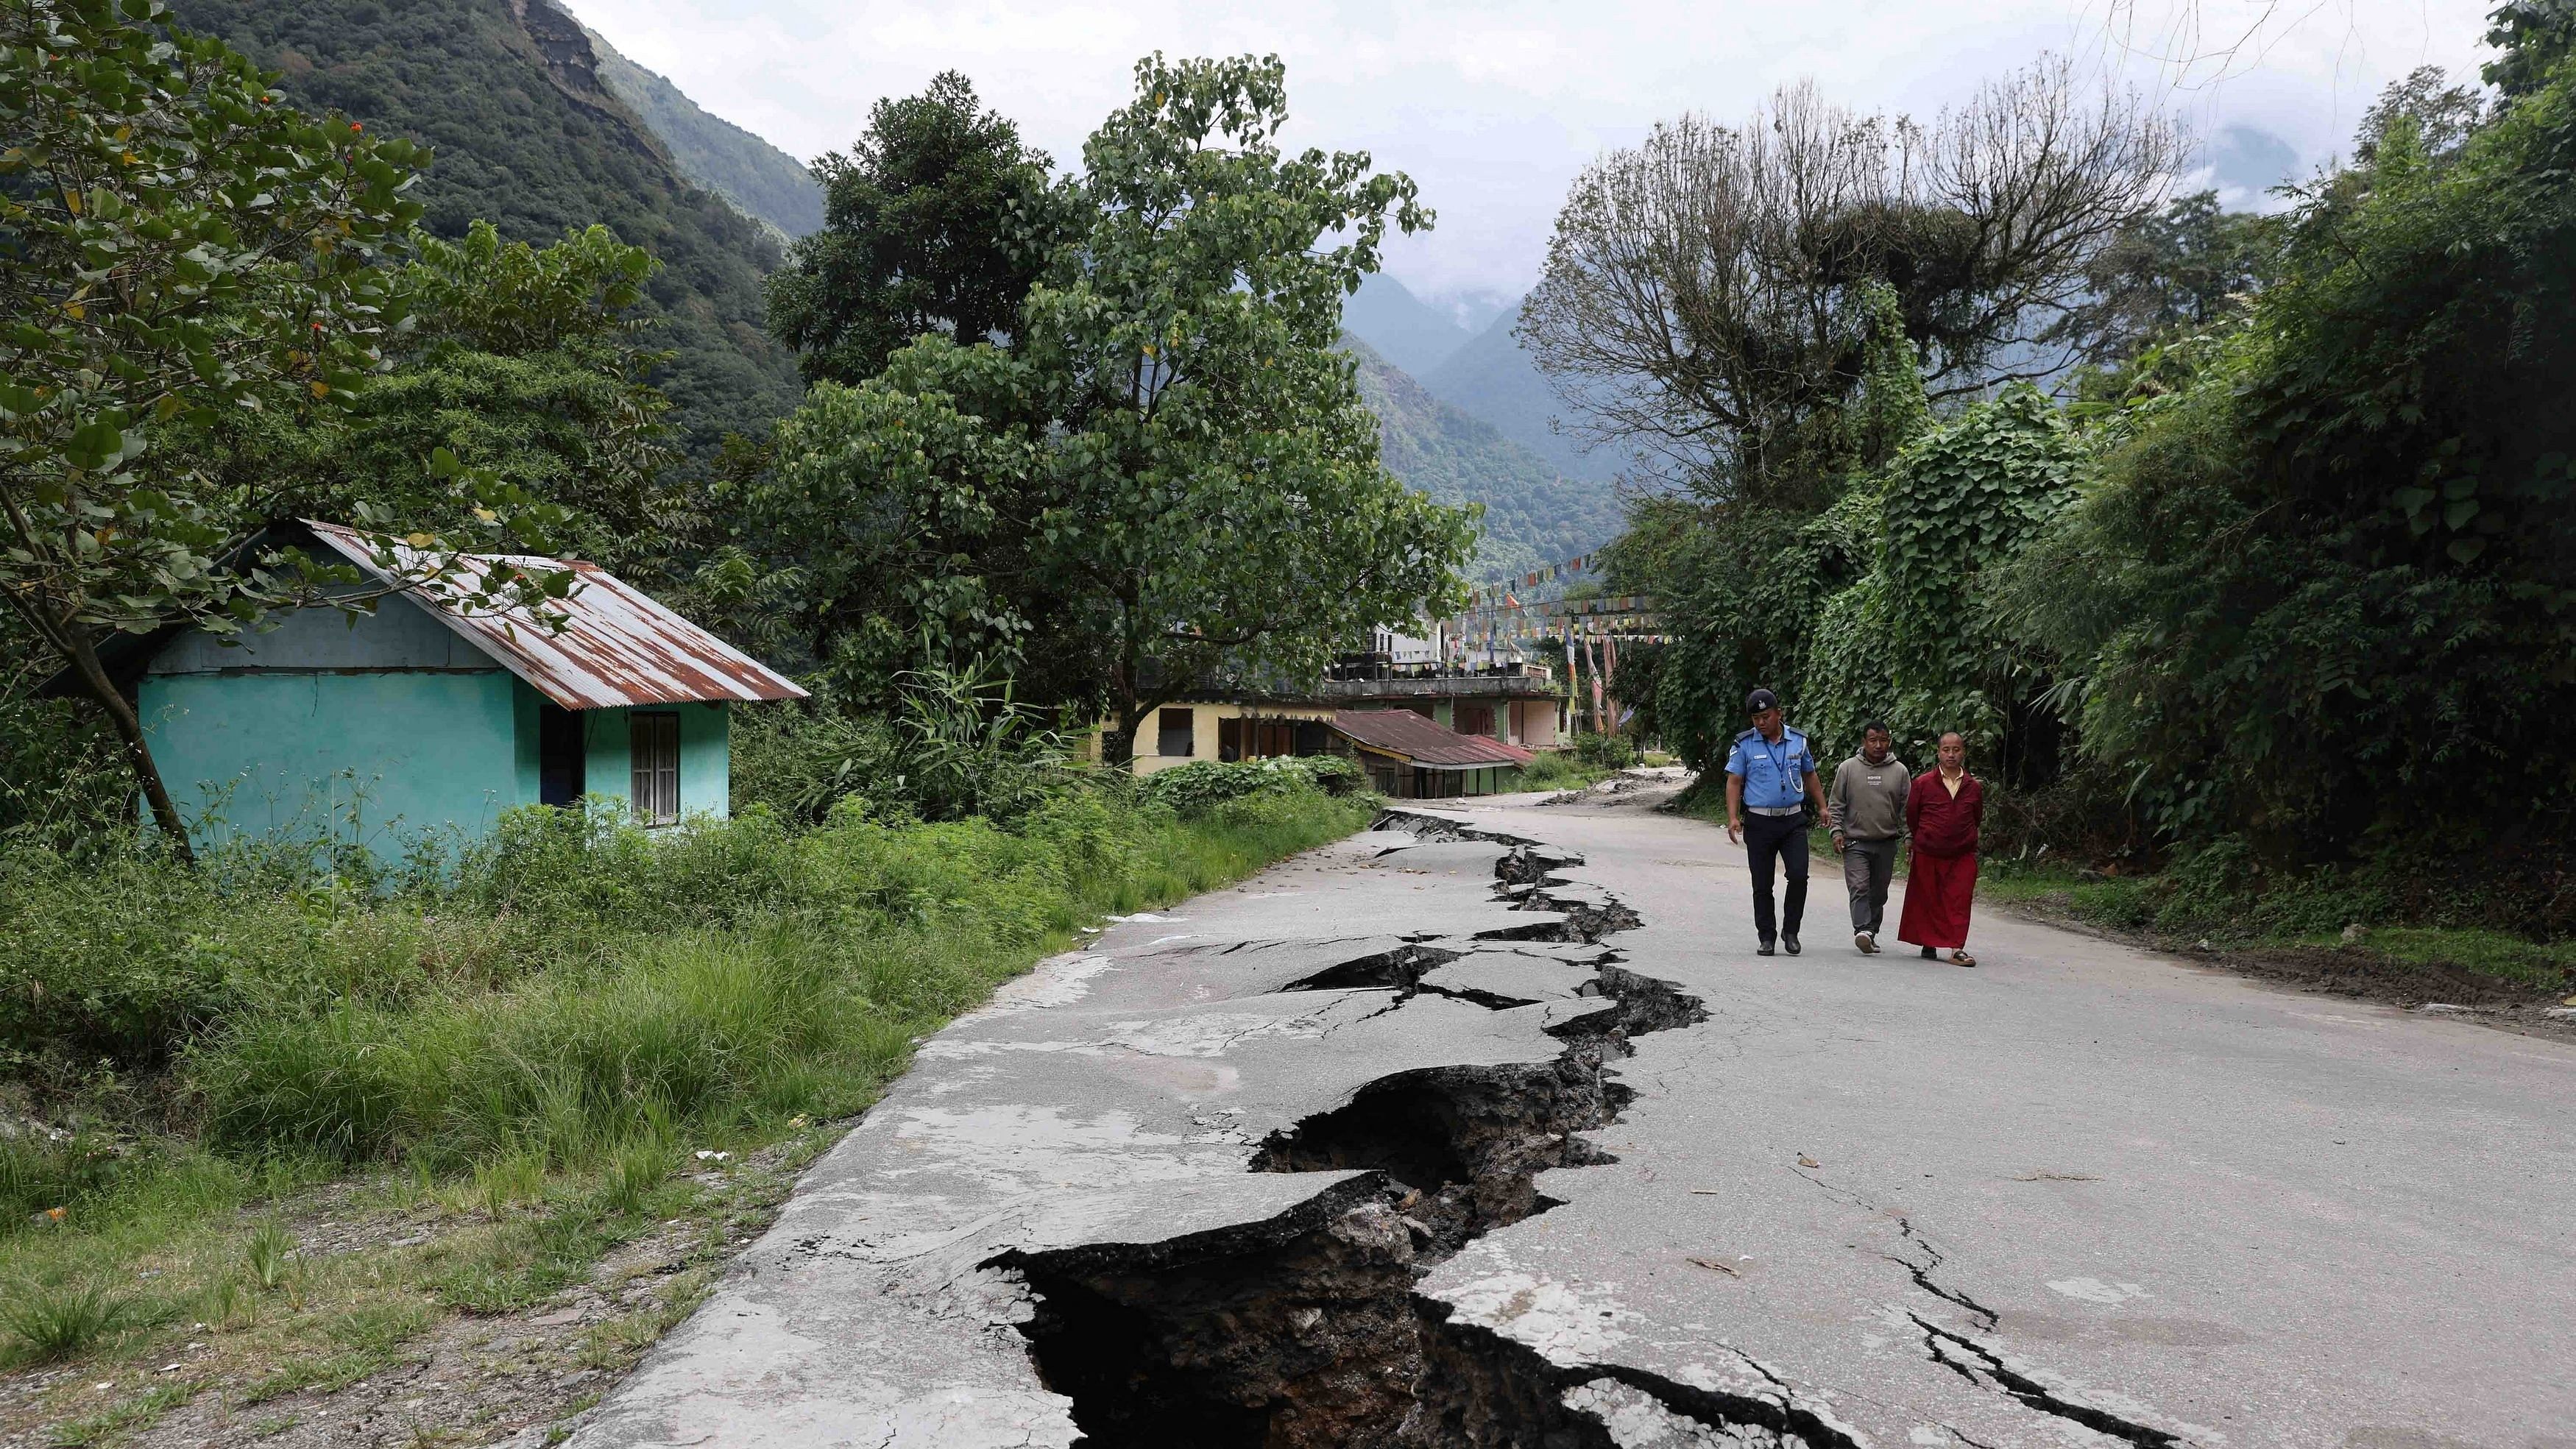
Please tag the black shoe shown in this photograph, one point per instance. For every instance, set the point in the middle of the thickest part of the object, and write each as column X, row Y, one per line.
column 1927, row 953
column 1791, row 942
column 1762, row 950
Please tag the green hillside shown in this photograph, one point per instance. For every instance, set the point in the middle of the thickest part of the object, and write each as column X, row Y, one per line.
column 528, row 137
column 1532, row 515
column 1404, row 329
column 761, row 181
column 1491, row 379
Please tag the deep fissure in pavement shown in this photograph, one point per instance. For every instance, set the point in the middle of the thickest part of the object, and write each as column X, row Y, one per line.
column 1304, row 1330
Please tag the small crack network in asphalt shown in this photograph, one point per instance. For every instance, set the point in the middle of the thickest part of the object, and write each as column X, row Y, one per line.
column 1305, row 1330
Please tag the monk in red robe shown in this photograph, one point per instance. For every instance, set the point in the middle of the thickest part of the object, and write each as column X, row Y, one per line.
column 1942, row 813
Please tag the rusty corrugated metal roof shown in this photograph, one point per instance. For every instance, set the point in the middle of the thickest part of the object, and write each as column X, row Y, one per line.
column 616, row 647
column 1426, row 741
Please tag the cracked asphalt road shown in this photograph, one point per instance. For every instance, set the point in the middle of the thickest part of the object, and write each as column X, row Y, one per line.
column 2079, row 1195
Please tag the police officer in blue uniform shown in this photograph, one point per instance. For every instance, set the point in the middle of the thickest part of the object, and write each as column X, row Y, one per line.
column 1770, row 778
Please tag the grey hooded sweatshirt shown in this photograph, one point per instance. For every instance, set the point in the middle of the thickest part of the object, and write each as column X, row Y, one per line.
column 1868, row 801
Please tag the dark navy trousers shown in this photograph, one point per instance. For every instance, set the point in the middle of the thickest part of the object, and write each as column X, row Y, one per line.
column 1781, row 838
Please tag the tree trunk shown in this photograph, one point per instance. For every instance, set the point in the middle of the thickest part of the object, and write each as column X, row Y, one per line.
column 129, row 728
column 1118, row 745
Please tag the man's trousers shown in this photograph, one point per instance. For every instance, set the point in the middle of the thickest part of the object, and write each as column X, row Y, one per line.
column 1868, row 866
column 1782, row 838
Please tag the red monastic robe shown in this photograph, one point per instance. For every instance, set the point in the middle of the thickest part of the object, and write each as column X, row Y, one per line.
column 1941, row 885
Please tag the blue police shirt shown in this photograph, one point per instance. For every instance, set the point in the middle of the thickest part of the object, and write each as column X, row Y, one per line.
column 1775, row 774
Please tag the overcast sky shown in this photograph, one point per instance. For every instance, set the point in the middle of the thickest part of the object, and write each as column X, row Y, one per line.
column 1494, row 106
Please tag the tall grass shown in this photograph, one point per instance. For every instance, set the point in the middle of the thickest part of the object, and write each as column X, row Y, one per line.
column 574, row 992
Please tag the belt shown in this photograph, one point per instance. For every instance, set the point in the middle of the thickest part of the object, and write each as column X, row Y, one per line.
column 1775, row 809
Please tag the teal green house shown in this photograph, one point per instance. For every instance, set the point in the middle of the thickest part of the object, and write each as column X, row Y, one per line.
column 421, row 722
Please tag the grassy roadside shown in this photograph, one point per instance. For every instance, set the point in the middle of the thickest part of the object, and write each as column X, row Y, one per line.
column 2307, row 937
column 1560, row 770
column 285, row 1163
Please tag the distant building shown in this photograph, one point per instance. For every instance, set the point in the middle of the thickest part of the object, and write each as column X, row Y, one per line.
column 1234, row 725
column 1406, row 753
column 1512, row 703
column 1414, row 758
column 423, row 722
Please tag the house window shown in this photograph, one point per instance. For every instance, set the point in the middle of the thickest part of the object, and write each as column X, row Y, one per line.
column 1175, row 731
column 559, row 755
column 1475, row 719
column 655, row 741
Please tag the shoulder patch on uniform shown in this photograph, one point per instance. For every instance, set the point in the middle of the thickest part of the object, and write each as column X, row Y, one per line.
column 1748, row 734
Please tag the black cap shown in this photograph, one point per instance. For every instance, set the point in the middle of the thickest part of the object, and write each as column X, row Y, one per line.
column 1760, row 700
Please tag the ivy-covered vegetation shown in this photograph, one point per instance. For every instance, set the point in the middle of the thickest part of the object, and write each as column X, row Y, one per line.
column 2285, row 578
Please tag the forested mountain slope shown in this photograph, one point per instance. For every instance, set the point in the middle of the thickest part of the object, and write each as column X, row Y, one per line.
column 761, row 181
column 527, row 136
column 1533, row 516
column 1404, row 329
column 1492, row 379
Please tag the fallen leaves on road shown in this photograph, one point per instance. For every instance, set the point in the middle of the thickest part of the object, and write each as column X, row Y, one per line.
column 1725, row 1268
column 1806, row 1161
column 2055, row 1177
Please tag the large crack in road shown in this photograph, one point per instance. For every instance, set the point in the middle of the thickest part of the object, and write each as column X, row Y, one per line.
column 1431, row 1139
column 1306, row 1332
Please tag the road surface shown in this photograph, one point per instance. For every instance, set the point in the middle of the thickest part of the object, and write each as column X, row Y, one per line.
column 1441, row 1137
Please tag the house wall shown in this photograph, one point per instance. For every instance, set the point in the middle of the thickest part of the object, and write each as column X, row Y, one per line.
column 386, row 729
column 399, row 634
column 608, row 760
column 383, row 758
column 1534, row 723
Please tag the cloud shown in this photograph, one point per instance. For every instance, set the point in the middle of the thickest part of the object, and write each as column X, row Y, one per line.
column 1493, row 106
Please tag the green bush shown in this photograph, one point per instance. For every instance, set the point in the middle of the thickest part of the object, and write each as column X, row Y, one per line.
column 1557, row 770
column 1605, row 751
column 956, row 744
column 1202, row 785
column 47, row 1323
column 568, row 1066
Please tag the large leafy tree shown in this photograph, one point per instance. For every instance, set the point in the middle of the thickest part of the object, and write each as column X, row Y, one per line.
column 1218, row 508
column 1703, row 300
column 2324, row 593
column 1169, row 474
column 936, row 221
column 527, row 362
column 175, row 244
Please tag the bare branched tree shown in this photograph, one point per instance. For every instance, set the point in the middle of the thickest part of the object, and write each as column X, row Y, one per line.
column 1702, row 295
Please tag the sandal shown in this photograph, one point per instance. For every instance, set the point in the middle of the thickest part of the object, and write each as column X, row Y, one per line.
column 1962, row 958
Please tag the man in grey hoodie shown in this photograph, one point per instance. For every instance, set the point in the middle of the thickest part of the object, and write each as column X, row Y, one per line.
column 1867, row 812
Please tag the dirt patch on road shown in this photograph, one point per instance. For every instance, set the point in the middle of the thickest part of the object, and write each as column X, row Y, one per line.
column 2354, row 972
column 2365, row 976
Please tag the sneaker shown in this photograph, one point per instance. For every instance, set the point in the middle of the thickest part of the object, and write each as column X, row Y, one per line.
column 1867, row 942
column 1762, row 950
column 1791, row 942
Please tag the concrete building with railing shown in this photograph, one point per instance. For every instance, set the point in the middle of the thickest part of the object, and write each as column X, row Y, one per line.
column 1513, row 703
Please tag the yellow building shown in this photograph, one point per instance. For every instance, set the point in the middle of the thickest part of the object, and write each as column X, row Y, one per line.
column 1235, row 728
